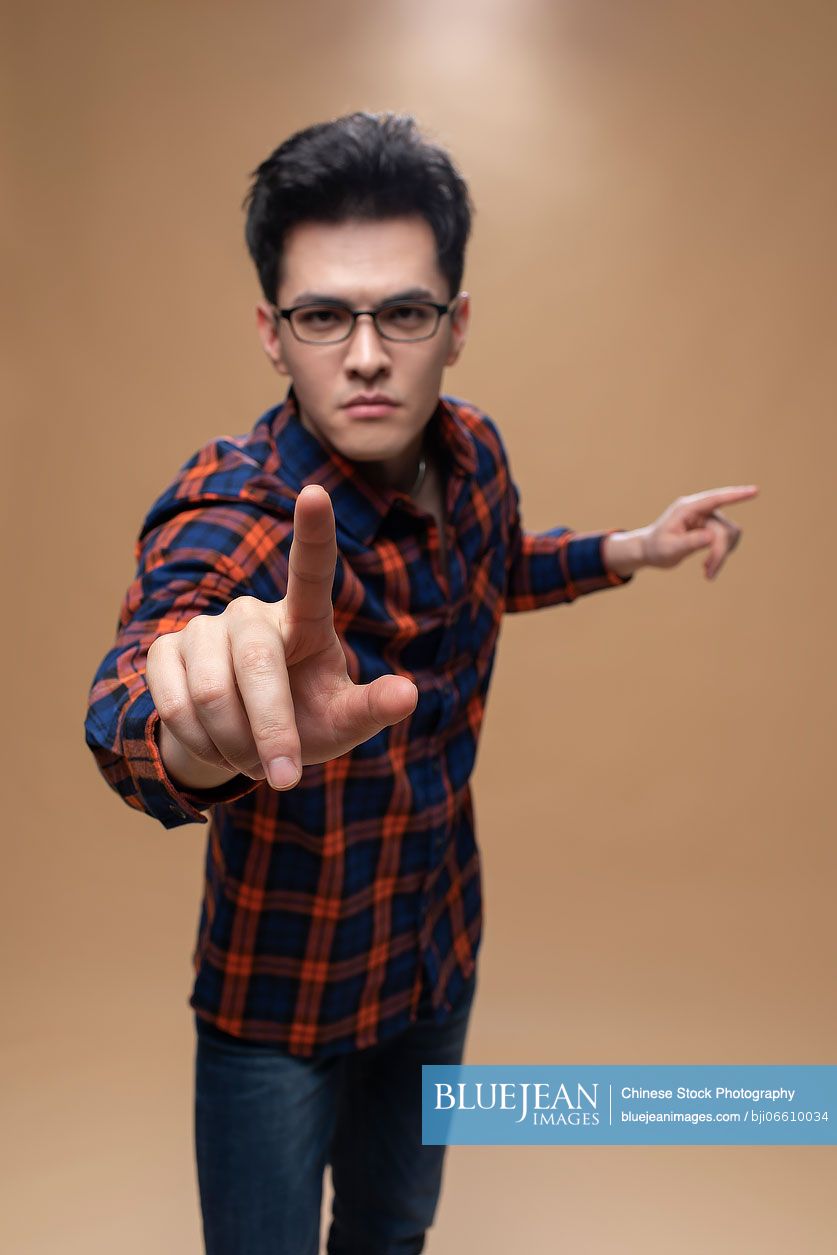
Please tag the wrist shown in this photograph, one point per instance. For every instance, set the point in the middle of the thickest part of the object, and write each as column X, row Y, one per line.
column 624, row 552
column 183, row 768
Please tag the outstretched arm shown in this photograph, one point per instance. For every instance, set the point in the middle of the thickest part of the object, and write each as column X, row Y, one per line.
column 556, row 566
column 551, row 567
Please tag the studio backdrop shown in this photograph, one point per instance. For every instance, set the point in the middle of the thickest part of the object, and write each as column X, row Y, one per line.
column 652, row 277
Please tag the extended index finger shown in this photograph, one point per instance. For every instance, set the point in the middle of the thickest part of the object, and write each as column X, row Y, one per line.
column 721, row 496
column 313, row 556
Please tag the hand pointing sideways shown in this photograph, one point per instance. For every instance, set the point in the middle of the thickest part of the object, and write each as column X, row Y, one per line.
column 690, row 523
column 263, row 688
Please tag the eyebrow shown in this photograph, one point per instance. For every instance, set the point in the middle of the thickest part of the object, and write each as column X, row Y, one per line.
column 408, row 294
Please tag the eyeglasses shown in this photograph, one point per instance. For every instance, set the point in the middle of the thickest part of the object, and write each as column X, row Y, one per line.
column 330, row 322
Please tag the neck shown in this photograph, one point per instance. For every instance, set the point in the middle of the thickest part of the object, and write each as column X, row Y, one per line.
column 401, row 473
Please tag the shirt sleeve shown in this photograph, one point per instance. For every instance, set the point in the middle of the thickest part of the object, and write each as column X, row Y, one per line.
column 194, row 564
column 551, row 567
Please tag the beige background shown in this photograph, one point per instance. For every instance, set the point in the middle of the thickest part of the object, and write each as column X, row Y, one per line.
column 653, row 282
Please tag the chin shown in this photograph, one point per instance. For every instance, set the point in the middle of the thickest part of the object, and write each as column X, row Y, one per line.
column 371, row 439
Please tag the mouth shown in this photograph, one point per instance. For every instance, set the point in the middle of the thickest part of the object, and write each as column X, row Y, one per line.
column 371, row 409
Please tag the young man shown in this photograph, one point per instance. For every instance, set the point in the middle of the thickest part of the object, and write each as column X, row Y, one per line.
column 306, row 652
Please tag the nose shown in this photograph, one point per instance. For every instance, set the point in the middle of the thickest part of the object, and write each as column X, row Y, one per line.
column 366, row 353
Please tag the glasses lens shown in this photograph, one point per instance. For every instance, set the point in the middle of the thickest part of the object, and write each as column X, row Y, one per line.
column 320, row 324
column 407, row 322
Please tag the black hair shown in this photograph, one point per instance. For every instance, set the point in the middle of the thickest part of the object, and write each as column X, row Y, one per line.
column 361, row 165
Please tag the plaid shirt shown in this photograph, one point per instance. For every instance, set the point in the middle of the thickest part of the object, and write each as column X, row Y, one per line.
column 326, row 906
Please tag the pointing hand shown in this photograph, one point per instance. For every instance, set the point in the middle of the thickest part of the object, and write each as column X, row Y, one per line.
column 263, row 688
column 695, row 522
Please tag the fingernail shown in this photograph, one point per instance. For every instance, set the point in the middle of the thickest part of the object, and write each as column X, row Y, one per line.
column 281, row 772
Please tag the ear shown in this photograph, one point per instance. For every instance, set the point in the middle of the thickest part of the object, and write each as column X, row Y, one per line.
column 267, row 324
column 459, row 316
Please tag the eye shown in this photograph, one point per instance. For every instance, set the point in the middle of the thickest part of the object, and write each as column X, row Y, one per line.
column 407, row 317
column 318, row 317
column 407, row 313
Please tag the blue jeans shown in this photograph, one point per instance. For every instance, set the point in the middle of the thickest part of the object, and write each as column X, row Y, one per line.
column 267, row 1123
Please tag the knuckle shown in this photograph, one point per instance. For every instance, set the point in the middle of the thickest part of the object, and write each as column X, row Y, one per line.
column 208, row 689
column 298, row 572
column 258, row 656
column 163, row 648
column 273, row 730
column 192, row 626
column 170, row 707
column 242, row 607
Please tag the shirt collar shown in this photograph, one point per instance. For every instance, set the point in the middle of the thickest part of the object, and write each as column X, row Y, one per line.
column 358, row 506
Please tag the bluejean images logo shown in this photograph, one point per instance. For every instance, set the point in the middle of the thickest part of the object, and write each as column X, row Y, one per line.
column 543, row 1102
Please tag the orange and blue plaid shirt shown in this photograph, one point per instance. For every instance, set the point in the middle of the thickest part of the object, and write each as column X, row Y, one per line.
column 326, row 908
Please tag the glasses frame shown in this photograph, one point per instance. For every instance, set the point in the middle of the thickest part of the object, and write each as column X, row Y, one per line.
column 357, row 313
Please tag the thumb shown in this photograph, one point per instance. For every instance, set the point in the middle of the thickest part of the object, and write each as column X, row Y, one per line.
column 391, row 698
column 364, row 709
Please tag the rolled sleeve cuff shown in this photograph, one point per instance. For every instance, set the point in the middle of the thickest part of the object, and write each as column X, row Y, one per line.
column 583, row 563
column 155, row 791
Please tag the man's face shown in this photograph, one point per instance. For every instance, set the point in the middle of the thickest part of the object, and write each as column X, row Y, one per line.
column 363, row 264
